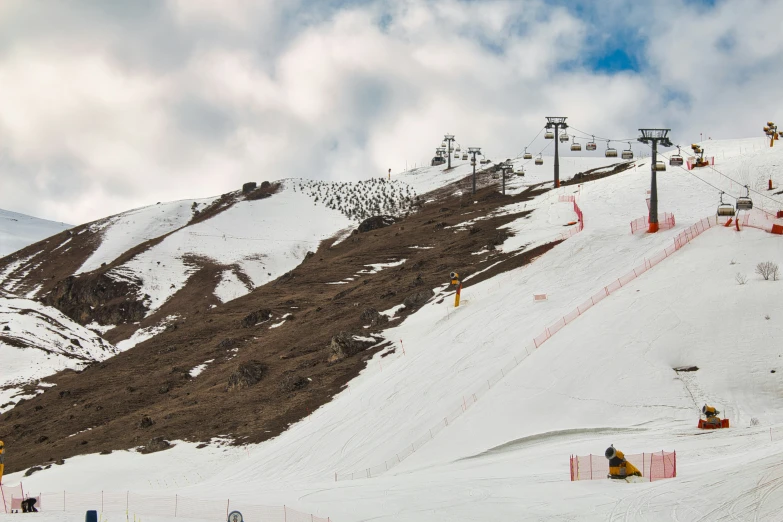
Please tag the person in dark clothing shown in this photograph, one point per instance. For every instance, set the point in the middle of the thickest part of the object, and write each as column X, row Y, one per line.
column 28, row 506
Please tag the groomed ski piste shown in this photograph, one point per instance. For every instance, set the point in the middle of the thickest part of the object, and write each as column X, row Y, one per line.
column 605, row 378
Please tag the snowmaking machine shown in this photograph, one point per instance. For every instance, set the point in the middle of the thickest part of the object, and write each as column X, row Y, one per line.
column 771, row 130
column 711, row 420
column 699, row 161
column 619, row 468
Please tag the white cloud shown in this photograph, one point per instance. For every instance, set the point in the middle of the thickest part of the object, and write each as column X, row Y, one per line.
column 104, row 111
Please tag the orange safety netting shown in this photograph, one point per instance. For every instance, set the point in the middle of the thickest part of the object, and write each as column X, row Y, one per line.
column 665, row 222
column 470, row 399
column 653, row 466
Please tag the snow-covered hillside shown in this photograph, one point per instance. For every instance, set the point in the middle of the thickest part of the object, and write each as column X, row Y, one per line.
column 125, row 231
column 37, row 341
column 18, row 230
column 254, row 241
column 606, row 378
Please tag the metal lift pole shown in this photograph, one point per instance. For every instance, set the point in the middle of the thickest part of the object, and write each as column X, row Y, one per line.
column 654, row 136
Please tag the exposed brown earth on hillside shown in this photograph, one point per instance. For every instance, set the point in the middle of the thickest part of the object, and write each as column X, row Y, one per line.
column 258, row 379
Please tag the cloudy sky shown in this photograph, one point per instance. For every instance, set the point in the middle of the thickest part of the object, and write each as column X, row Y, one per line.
column 109, row 105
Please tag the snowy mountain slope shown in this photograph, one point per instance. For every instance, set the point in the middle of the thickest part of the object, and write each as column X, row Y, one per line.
column 254, row 241
column 124, row 231
column 153, row 252
column 37, row 341
column 18, row 230
column 610, row 370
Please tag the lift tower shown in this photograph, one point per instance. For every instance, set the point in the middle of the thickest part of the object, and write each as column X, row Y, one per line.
column 474, row 151
column 654, row 136
column 448, row 138
column 556, row 123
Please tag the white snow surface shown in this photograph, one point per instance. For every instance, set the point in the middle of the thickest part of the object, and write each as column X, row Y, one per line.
column 262, row 238
column 19, row 230
column 144, row 334
column 230, row 287
column 606, row 378
column 123, row 232
column 46, row 335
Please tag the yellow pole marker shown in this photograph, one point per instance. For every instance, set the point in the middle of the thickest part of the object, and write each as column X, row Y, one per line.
column 456, row 282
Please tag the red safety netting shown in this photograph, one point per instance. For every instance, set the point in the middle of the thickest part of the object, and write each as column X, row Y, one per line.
column 665, row 222
column 174, row 506
column 653, row 466
column 762, row 220
column 469, row 399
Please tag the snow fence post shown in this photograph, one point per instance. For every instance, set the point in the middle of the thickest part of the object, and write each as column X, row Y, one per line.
column 675, row 464
column 591, row 466
column 664, row 464
column 101, row 502
column 643, row 463
column 6, row 509
column 175, row 505
column 228, row 503
column 285, row 513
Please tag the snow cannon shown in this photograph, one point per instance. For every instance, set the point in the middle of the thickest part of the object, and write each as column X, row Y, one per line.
column 711, row 420
column 619, row 468
column 456, row 283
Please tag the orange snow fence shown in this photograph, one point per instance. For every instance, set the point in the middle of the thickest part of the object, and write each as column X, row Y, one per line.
column 173, row 506
column 665, row 222
column 681, row 240
column 763, row 220
column 654, row 466
column 539, row 297
column 580, row 224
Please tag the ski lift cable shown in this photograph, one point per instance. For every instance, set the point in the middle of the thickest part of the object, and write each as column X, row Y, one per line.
column 721, row 190
column 531, row 143
column 600, row 138
column 681, row 167
column 725, row 176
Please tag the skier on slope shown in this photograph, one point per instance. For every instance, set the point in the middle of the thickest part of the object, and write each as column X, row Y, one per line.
column 619, row 468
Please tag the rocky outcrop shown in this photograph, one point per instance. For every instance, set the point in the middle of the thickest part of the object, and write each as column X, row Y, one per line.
column 97, row 297
column 246, row 375
column 376, row 222
column 414, row 301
